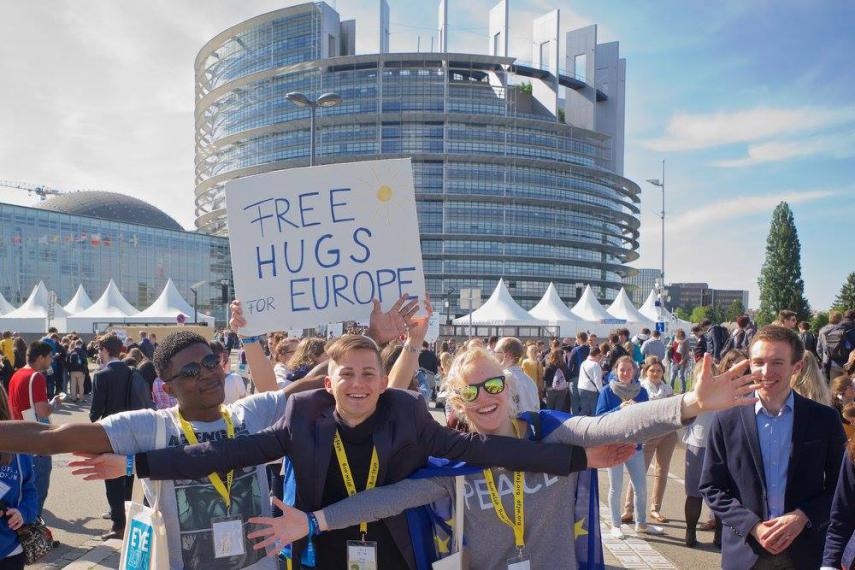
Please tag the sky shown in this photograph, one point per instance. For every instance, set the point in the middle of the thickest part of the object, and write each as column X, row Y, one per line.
column 749, row 103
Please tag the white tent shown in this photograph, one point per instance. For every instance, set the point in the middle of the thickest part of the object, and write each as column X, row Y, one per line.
column 590, row 310
column 651, row 311
column 500, row 310
column 32, row 316
column 111, row 307
column 167, row 307
column 622, row 308
column 80, row 301
column 552, row 309
column 5, row 306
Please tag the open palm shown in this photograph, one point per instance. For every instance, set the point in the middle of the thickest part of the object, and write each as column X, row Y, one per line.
column 279, row 531
column 731, row 388
column 386, row 327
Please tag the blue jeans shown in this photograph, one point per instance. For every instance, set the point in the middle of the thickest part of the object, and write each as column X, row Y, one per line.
column 42, row 466
column 638, row 477
column 681, row 370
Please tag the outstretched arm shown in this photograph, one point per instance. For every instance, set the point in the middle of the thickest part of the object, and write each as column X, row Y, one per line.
column 42, row 439
column 408, row 362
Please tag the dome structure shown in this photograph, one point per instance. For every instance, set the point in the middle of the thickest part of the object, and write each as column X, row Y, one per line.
column 111, row 206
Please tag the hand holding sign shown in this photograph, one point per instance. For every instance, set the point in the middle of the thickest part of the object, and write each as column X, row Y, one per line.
column 316, row 245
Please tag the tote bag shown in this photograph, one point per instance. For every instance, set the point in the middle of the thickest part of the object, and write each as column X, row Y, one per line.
column 145, row 546
column 29, row 414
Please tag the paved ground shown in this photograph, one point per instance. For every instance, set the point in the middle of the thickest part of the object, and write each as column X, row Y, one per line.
column 74, row 507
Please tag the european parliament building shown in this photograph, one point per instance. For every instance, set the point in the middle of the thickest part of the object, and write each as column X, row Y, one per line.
column 518, row 164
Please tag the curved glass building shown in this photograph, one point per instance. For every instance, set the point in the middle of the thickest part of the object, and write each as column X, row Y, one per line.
column 513, row 177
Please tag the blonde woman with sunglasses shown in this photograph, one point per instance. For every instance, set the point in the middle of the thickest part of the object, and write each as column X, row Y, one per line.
column 480, row 393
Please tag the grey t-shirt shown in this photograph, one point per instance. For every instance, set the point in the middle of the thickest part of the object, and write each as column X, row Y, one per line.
column 188, row 506
column 549, row 501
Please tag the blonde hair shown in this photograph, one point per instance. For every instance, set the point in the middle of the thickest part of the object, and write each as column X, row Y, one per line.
column 810, row 381
column 456, row 381
column 307, row 352
column 445, row 362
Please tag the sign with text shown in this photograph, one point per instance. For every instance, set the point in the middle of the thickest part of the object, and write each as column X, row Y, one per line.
column 315, row 245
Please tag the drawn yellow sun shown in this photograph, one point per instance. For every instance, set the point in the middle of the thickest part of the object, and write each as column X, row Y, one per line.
column 384, row 193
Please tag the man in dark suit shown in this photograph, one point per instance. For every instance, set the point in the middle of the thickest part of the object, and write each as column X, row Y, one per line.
column 116, row 388
column 770, row 470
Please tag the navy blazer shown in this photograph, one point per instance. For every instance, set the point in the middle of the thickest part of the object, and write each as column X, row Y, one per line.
column 406, row 434
column 733, row 481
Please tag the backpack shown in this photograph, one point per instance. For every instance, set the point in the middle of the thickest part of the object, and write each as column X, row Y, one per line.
column 637, row 356
column 837, row 342
column 75, row 359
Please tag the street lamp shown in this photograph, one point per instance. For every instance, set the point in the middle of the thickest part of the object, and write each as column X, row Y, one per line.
column 661, row 184
column 195, row 288
column 325, row 100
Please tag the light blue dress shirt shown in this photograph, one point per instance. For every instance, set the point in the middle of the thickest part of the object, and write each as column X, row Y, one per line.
column 776, row 441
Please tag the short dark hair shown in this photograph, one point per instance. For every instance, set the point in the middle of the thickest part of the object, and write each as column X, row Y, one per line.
column 850, row 314
column 742, row 321
column 172, row 345
column 492, row 339
column 697, row 328
column 778, row 333
column 595, row 351
column 645, row 330
column 785, row 314
column 111, row 343
column 804, row 325
column 53, row 330
column 706, row 323
column 217, row 347
column 613, row 338
column 582, row 336
column 656, row 334
column 36, row 350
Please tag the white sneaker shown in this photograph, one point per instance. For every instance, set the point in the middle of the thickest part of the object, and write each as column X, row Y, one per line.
column 651, row 529
column 617, row 533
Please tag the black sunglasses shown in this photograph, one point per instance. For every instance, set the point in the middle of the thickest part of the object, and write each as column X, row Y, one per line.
column 193, row 369
column 469, row 393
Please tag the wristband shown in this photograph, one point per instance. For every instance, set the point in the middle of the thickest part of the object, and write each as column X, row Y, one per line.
column 251, row 339
column 130, row 466
column 411, row 348
column 308, row 557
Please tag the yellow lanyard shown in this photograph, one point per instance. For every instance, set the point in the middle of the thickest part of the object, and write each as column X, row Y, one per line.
column 518, row 524
column 347, row 475
column 216, row 481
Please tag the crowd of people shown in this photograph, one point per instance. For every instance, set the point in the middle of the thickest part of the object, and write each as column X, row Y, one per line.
column 766, row 415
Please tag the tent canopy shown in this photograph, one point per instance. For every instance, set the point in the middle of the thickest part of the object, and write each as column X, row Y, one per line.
column 500, row 310
column 622, row 308
column 5, row 306
column 590, row 310
column 31, row 316
column 552, row 309
column 111, row 304
column 650, row 310
column 167, row 307
column 80, row 301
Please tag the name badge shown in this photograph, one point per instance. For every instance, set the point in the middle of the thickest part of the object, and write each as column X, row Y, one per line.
column 361, row 555
column 228, row 537
column 521, row 562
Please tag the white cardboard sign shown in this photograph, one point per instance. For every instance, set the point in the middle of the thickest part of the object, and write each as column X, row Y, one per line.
column 316, row 245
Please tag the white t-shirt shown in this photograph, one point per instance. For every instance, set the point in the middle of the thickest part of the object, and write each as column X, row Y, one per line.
column 590, row 376
column 527, row 399
column 187, row 506
column 234, row 387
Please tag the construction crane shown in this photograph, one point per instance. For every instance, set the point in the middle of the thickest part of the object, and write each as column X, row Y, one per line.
column 39, row 190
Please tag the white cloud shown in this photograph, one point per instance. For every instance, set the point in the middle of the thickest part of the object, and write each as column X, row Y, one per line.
column 717, row 215
column 687, row 131
column 835, row 145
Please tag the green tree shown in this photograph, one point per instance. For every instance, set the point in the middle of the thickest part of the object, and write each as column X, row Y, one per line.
column 682, row 314
column 846, row 298
column 699, row 314
column 818, row 321
column 734, row 310
column 781, row 284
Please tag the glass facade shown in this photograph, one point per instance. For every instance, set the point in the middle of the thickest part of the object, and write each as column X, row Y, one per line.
column 503, row 187
column 65, row 250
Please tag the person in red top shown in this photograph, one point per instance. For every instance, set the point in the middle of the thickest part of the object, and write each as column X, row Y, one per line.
column 39, row 356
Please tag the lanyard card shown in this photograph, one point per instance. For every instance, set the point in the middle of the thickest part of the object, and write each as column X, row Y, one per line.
column 361, row 555
column 228, row 537
column 521, row 562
